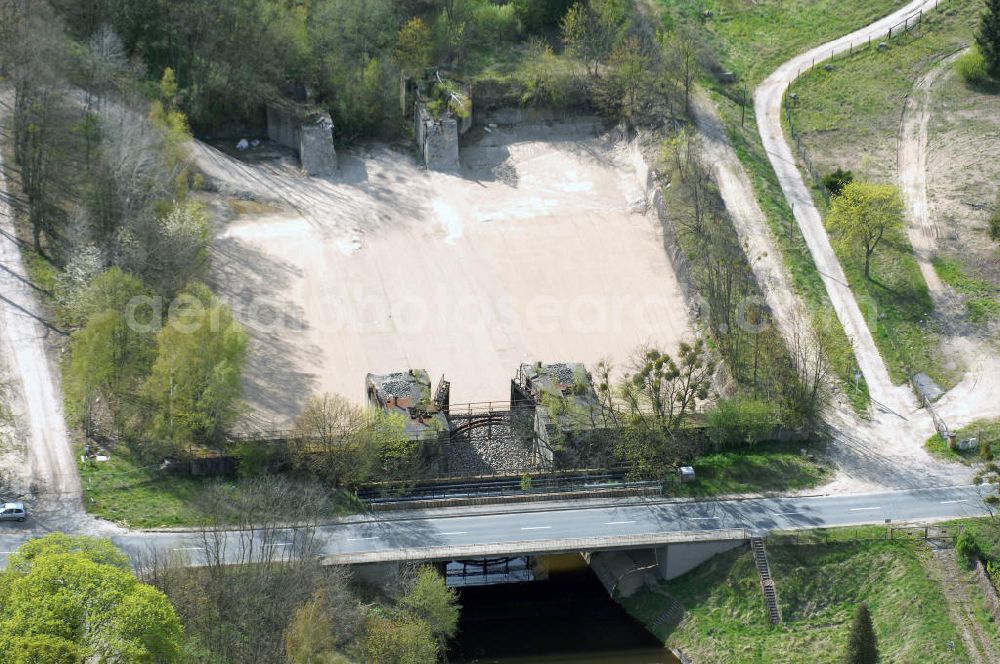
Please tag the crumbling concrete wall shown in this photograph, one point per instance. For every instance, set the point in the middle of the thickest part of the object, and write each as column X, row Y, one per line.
column 309, row 132
column 316, row 151
column 437, row 139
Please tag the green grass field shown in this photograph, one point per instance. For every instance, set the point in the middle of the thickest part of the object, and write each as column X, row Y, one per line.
column 982, row 299
column 986, row 431
column 849, row 116
column 127, row 493
column 818, row 587
column 752, row 38
column 764, row 467
column 898, row 308
column 939, row 448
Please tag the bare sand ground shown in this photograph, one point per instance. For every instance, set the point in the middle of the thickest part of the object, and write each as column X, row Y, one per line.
column 963, row 173
column 541, row 249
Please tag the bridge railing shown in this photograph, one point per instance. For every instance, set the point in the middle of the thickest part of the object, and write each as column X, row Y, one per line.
column 534, row 547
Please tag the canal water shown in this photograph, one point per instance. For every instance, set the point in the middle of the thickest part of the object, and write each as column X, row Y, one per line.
column 565, row 619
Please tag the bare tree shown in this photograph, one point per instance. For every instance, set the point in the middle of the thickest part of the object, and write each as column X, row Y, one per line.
column 328, row 443
column 680, row 53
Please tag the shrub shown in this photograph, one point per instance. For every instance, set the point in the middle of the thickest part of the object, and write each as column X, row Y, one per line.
column 837, row 180
column 972, row 67
column 966, row 547
column 740, row 420
column 493, row 24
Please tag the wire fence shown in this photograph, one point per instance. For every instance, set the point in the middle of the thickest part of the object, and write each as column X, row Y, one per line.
column 867, row 534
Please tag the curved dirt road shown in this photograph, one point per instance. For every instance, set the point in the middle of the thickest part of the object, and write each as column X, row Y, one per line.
column 768, row 99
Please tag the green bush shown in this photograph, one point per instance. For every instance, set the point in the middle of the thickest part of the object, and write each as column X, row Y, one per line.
column 740, row 420
column 837, row 180
column 493, row 24
column 972, row 67
column 966, row 547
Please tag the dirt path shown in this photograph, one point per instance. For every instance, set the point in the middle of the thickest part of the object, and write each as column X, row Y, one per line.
column 748, row 219
column 33, row 380
column 943, row 568
column 974, row 397
column 35, row 394
column 868, row 455
column 911, row 153
column 768, row 99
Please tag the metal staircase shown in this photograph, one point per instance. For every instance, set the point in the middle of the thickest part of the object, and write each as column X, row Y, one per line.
column 766, row 582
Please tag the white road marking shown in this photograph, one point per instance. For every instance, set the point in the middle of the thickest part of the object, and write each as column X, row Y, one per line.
column 355, row 539
column 863, row 509
column 704, row 518
column 616, row 523
column 457, row 532
column 190, row 548
column 283, row 544
column 536, row 528
column 949, row 502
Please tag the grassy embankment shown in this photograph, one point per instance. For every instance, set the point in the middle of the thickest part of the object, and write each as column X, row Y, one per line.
column 987, row 431
column 982, row 298
column 764, row 467
column 752, row 39
column 849, row 117
column 819, row 585
column 137, row 496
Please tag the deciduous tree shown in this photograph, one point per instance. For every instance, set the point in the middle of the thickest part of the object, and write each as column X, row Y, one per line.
column 414, row 45
column 864, row 213
column 71, row 597
column 591, row 28
column 431, row 600
column 194, row 386
column 330, row 441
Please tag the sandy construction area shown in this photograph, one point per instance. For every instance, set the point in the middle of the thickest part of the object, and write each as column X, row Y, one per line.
column 541, row 249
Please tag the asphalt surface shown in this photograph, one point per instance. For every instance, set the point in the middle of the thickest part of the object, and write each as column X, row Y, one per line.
column 517, row 530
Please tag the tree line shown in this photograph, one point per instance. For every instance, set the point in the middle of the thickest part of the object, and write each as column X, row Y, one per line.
column 103, row 180
column 229, row 59
column 69, row 599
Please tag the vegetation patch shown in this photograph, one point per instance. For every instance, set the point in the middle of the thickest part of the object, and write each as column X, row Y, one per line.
column 819, row 587
column 784, row 230
column 939, row 448
column 132, row 494
column 849, row 116
column 753, row 38
column 769, row 466
column 982, row 298
column 897, row 306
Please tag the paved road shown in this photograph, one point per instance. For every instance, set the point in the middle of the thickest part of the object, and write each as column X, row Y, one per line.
column 516, row 532
column 768, row 99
